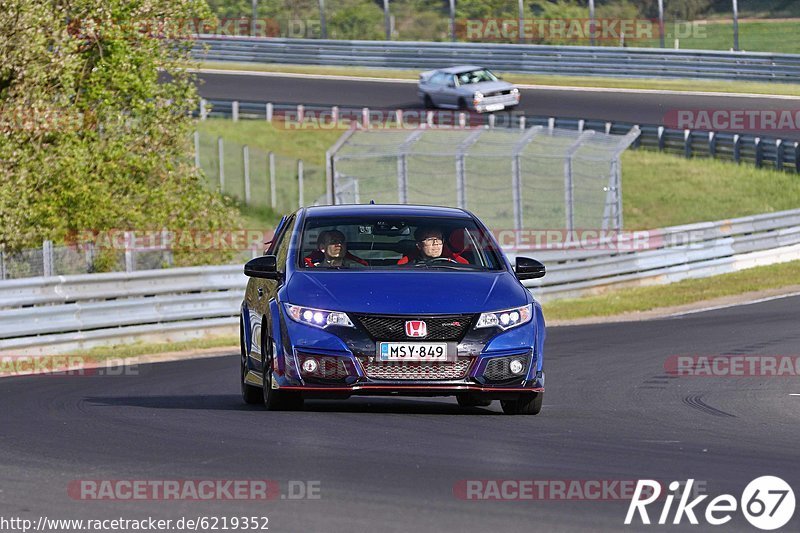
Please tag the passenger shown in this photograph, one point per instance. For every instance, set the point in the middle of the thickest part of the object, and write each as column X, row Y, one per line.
column 332, row 252
column 430, row 246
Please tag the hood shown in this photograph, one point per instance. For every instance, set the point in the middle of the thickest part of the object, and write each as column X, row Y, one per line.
column 407, row 293
column 488, row 87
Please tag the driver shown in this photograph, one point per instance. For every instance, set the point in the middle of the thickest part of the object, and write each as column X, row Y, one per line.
column 430, row 246
column 332, row 252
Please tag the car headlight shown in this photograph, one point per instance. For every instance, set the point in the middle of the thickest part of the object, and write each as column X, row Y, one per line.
column 478, row 96
column 318, row 317
column 514, row 91
column 506, row 319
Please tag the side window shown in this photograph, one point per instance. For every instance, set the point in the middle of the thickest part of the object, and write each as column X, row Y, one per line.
column 281, row 246
column 452, row 81
column 439, row 78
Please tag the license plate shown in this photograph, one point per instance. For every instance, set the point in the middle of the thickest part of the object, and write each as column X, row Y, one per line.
column 495, row 107
column 413, row 351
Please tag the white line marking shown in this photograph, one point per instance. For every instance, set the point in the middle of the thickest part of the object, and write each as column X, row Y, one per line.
column 521, row 86
column 725, row 306
column 793, row 394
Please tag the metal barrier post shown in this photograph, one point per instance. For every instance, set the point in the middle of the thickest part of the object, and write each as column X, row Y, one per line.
column 197, row 149
column 687, row 143
column 235, row 110
column 268, row 111
column 569, row 185
column 300, row 199
column 203, row 109
column 329, row 177
column 129, row 266
column 712, row 144
column 759, row 152
column 737, row 148
column 2, row 263
column 221, row 159
column 797, row 157
column 273, row 187
column 246, row 161
column 387, row 20
column 660, row 138
column 402, row 166
column 322, row 22
column 47, row 258
column 516, row 175
column 461, row 167
column 779, row 154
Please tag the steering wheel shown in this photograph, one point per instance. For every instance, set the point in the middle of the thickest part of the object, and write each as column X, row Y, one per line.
column 437, row 260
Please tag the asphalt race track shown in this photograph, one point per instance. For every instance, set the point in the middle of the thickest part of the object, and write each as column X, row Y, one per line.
column 610, row 413
column 638, row 108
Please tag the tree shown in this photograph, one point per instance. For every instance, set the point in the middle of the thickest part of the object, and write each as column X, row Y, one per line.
column 95, row 125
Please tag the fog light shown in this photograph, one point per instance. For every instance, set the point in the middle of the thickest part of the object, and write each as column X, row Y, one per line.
column 310, row 365
column 516, row 366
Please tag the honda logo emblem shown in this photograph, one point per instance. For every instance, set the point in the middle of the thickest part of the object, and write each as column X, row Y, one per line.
column 416, row 328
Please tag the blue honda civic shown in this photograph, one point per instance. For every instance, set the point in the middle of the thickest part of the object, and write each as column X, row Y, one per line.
column 390, row 300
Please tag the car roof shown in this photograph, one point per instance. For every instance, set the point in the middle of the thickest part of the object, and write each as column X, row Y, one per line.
column 459, row 69
column 349, row 210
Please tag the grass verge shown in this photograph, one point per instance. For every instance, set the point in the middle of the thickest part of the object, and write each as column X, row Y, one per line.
column 781, row 89
column 641, row 299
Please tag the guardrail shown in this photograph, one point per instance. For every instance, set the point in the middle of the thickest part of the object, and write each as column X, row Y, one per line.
column 525, row 58
column 44, row 315
column 740, row 148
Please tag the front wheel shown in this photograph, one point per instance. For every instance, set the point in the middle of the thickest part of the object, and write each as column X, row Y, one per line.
column 276, row 399
column 527, row 404
column 250, row 394
column 428, row 102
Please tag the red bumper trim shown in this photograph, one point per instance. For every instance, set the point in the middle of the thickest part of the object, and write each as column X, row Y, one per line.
column 412, row 387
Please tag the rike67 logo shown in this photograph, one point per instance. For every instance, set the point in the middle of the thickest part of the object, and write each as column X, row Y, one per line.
column 767, row 502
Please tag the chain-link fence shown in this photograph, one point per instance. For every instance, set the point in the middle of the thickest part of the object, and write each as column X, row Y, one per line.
column 122, row 252
column 256, row 177
column 521, row 179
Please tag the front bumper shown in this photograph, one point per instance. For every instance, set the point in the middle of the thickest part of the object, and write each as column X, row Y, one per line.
column 417, row 389
column 491, row 104
column 346, row 363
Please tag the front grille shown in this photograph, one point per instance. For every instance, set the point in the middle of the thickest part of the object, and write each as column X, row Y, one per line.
column 498, row 370
column 393, row 328
column 419, row 371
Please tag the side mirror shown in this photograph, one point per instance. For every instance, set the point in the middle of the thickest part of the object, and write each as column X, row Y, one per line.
column 265, row 267
column 527, row 268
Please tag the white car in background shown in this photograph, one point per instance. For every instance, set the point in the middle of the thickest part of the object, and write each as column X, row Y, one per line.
column 466, row 87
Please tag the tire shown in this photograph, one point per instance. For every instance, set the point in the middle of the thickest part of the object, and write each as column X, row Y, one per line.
column 462, row 104
column 251, row 394
column 465, row 400
column 527, row 404
column 275, row 399
column 428, row 102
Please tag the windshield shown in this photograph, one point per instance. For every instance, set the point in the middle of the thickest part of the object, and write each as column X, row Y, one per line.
column 475, row 76
column 392, row 243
